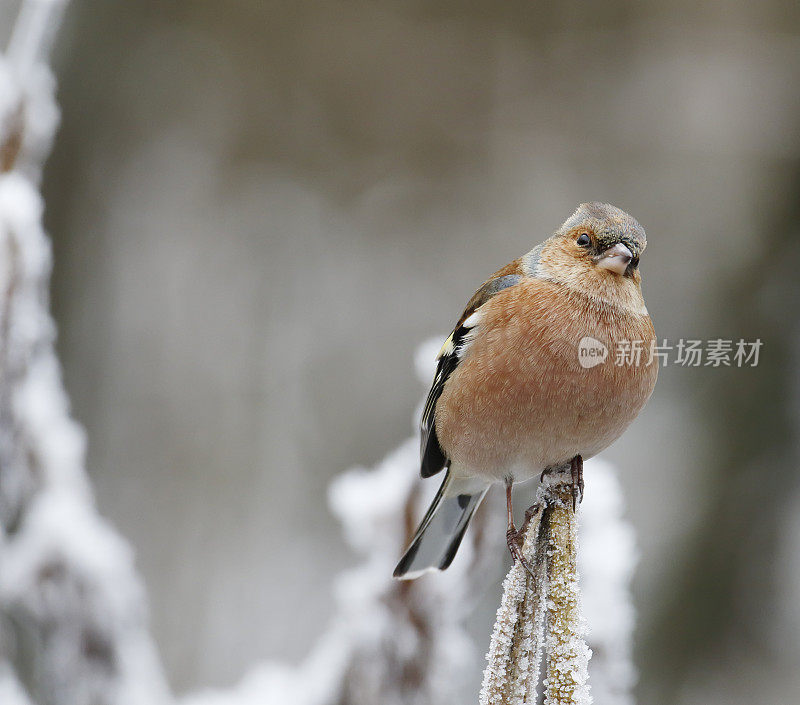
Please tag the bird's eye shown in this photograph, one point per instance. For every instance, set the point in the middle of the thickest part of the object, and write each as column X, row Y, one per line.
column 584, row 240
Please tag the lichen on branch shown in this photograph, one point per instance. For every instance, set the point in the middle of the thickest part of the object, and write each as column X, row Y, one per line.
column 567, row 652
column 541, row 608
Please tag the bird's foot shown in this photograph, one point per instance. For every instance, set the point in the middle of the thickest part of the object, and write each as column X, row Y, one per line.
column 514, row 540
column 576, row 472
column 530, row 512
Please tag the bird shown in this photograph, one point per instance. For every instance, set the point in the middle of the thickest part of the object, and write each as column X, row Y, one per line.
column 512, row 399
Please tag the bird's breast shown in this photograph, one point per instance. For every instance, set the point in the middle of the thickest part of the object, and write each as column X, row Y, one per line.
column 523, row 398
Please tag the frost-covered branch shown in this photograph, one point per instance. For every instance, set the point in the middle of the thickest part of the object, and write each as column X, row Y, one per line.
column 567, row 652
column 542, row 612
column 72, row 609
column 539, row 609
column 515, row 649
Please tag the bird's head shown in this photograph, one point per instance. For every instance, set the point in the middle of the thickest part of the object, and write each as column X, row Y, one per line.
column 596, row 250
column 602, row 236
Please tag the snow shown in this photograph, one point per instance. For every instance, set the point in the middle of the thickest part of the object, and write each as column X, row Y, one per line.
column 364, row 501
column 72, row 609
column 11, row 691
column 515, row 648
column 494, row 688
column 523, row 630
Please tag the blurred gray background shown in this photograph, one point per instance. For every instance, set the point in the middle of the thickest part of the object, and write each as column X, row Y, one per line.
column 260, row 209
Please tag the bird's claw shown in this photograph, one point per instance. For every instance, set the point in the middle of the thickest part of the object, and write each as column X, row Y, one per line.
column 514, row 541
column 576, row 472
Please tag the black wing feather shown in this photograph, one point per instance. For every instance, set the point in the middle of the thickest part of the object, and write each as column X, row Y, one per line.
column 433, row 458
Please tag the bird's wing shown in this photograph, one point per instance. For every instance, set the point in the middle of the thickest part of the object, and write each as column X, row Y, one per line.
column 433, row 458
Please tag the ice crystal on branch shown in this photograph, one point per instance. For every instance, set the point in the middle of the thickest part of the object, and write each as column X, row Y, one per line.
column 567, row 653
column 515, row 650
column 542, row 612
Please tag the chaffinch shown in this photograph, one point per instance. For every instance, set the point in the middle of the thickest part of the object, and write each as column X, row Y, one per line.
column 511, row 399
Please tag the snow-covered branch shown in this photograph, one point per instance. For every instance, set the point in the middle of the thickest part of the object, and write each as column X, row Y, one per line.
column 72, row 609
column 515, row 648
column 541, row 612
column 567, row 652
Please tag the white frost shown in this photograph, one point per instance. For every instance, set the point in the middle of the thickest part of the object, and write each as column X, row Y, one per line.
column 72, row 609
column 522, row 628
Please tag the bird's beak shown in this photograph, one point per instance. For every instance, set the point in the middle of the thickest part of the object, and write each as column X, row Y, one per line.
column 615, row 259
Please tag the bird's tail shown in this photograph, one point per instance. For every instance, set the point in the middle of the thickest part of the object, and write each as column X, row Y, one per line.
column 440, row 532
